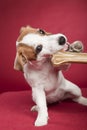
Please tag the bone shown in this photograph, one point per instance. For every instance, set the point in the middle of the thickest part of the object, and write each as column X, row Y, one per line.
column 68, row 57
column 72, row 55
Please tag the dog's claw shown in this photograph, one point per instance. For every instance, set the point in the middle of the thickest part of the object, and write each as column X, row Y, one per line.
column 34, row 108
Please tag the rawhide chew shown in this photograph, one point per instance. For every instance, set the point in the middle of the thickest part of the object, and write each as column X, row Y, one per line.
column 72, row 55
column 68, row 57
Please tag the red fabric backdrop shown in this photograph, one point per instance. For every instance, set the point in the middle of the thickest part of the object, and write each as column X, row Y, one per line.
column 65, row 16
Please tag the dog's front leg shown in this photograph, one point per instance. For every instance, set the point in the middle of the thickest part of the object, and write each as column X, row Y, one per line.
column 40, row 100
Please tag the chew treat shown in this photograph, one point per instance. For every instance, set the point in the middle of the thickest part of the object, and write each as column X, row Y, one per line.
column 72, row 55
column 68, row 57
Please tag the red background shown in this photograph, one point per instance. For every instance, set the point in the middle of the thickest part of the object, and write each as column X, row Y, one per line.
column 65, row 16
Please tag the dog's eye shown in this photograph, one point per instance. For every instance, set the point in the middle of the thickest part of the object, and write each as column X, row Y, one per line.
column 38, row 49
column 41, row 31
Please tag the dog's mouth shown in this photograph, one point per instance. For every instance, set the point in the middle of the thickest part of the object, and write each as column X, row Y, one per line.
column 40, row 60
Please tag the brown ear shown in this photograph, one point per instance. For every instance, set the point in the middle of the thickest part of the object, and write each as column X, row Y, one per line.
column 25, row 28
column 22, row 29
column 17, row 63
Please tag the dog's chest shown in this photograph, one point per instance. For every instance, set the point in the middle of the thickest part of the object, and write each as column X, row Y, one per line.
column 45, row 77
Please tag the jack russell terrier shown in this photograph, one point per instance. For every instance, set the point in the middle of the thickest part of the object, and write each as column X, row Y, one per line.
column 34, row 48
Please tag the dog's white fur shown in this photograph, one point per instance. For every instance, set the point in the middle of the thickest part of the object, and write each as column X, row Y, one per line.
column 48, row 85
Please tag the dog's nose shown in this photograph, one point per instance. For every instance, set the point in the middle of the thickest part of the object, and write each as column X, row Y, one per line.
column 62, row 40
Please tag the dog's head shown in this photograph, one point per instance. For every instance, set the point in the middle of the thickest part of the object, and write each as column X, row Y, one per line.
column 36, row 45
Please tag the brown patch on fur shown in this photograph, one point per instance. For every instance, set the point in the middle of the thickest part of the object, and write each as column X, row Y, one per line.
column 26, row 30
column 24, row 54
column 27, row 51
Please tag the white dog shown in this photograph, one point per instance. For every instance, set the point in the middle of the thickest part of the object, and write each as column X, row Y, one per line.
column 34, row 48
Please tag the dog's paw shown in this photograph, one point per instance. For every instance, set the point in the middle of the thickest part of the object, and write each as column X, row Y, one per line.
column 41, row 121
column 34, row 108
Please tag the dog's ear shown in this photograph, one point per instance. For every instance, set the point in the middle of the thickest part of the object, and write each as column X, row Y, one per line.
column 17, row 63
column 22, row 29
column 25, row 28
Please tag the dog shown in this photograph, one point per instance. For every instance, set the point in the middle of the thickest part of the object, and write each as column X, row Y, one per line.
column 34, row 50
